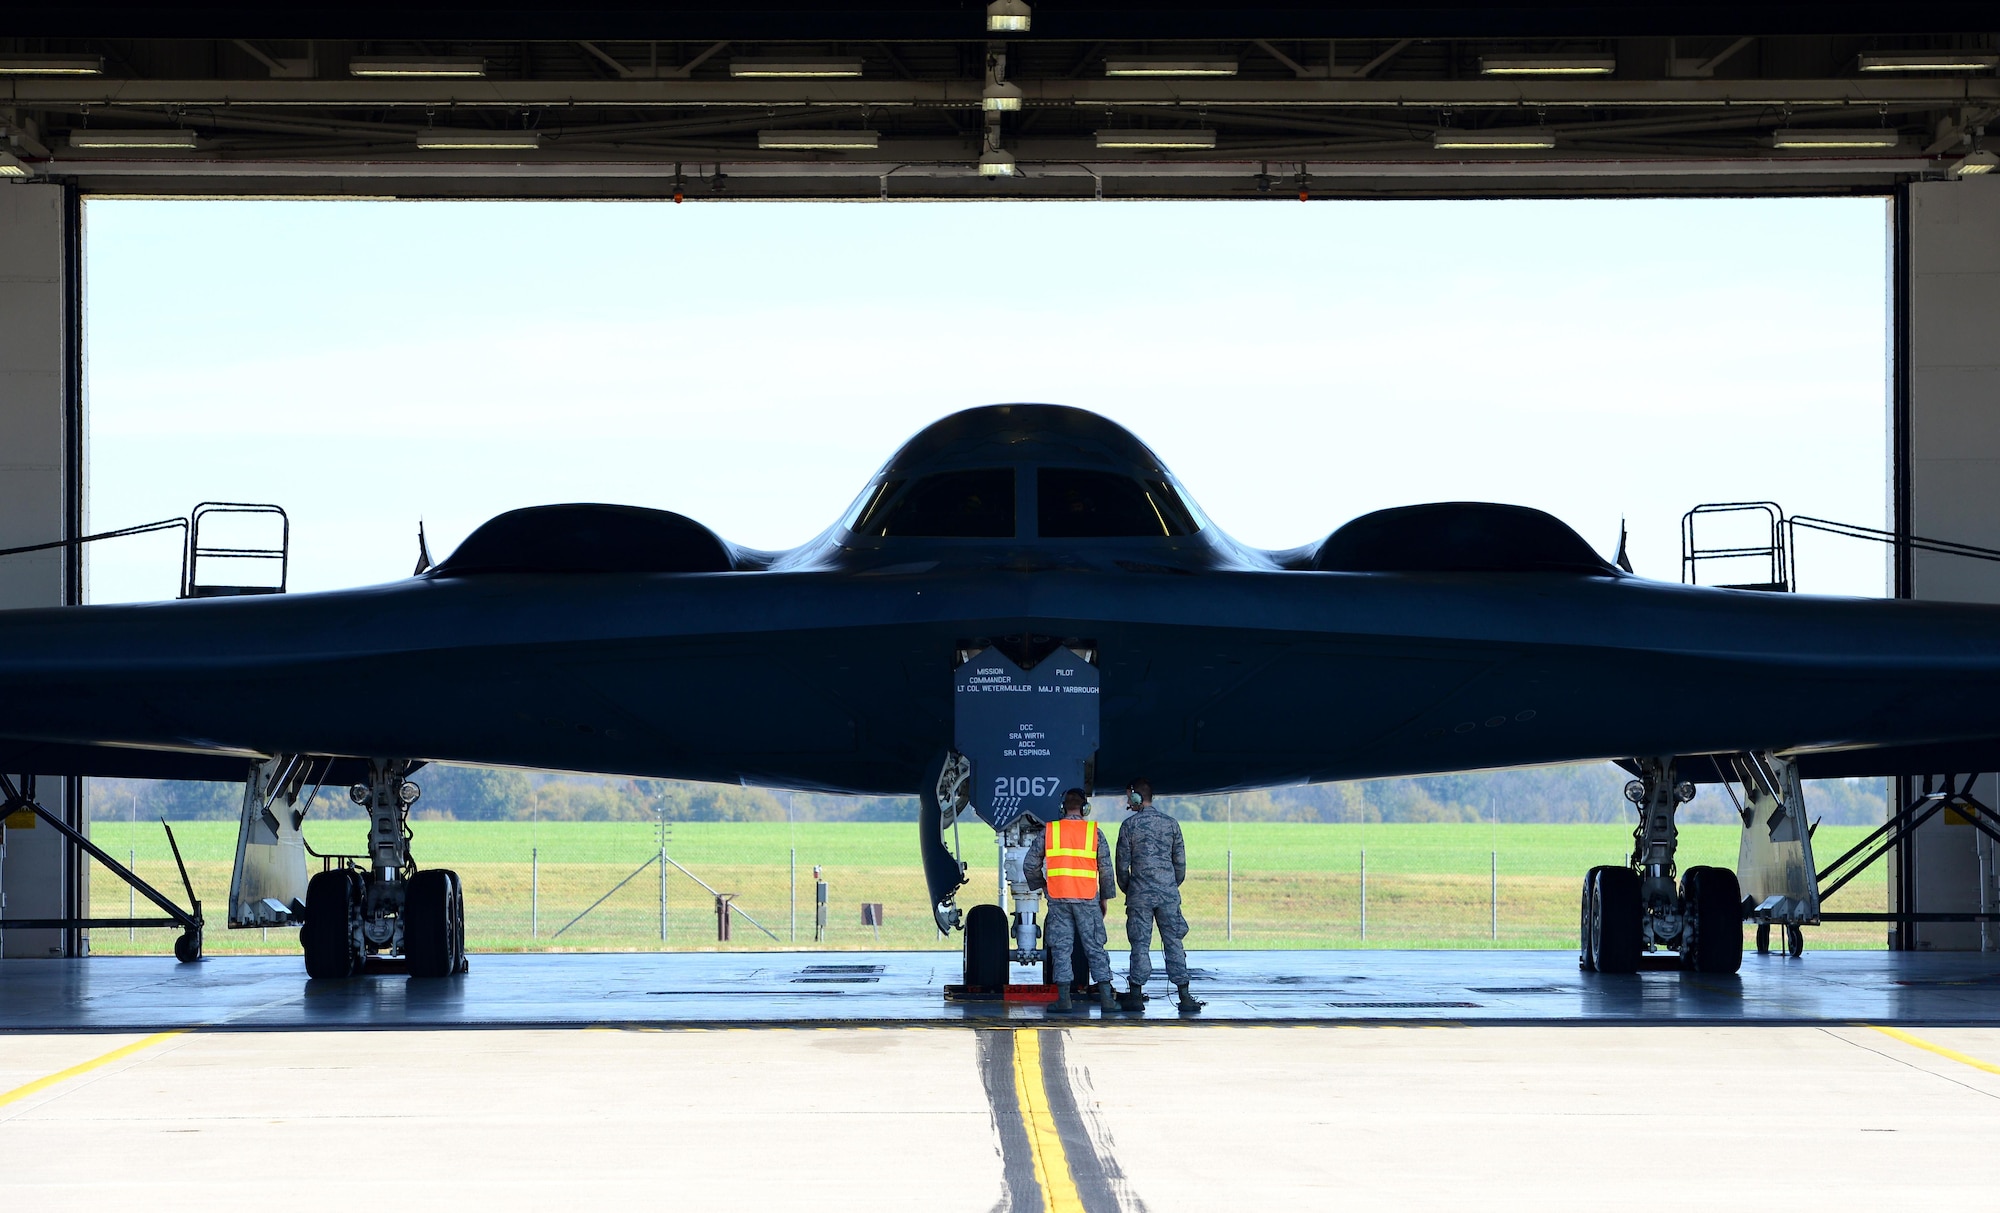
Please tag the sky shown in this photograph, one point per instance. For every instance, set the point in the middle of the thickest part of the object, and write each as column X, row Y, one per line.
column 367, row 364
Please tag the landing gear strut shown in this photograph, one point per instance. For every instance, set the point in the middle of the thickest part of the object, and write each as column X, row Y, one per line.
column 390, row 908
column 1638, row 908
column 1015, row 843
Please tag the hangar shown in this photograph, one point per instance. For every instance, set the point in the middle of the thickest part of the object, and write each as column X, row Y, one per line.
column 1275, row 104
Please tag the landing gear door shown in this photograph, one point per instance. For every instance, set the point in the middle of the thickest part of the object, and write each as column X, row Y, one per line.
column 1774, row 857
column 270, row 876
column 1029, row 733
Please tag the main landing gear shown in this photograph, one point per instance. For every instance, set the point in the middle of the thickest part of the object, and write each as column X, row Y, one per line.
column 390, row 908
column 1631, row 910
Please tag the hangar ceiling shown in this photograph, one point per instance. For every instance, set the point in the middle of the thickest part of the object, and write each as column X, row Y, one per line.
column 924, row 100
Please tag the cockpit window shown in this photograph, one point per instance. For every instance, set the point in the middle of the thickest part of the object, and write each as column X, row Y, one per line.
column 948, row 505
column 1175, row 508
column 1074, row 503
column 866, row 512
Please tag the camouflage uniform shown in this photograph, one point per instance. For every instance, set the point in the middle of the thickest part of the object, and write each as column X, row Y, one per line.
column 1152, row 863
column 1069, row 922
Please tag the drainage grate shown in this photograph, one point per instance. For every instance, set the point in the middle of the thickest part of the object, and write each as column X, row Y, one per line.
column 1402, row 1006
column 841, row 969
column 1519, row 989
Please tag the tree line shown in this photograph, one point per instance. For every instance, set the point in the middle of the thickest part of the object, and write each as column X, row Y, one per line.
column 1581, row 793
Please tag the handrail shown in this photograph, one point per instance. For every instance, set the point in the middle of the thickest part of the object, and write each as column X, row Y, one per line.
column 1774, row 552
column 1783, row 550
column 192, row 548
column 144, row 528
column 1944, row 547
column 196, row 549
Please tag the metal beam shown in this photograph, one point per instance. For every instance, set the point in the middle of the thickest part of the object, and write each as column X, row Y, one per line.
column 32, row 92
column 764, row 20
column 417, row 166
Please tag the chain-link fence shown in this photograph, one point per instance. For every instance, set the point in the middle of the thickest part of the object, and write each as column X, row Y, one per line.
column 597, row 885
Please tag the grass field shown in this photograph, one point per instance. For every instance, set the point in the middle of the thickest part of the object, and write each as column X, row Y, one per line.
column 1294, row 885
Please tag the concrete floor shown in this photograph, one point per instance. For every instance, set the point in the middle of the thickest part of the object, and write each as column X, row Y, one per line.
column 574, row 990
column 1004, row 1118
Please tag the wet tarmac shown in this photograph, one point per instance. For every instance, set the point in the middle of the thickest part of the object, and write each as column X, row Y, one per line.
column 267, row 993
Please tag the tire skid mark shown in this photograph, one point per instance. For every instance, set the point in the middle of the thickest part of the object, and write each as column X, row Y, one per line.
column 1092, row 1163
column 1021, row 1193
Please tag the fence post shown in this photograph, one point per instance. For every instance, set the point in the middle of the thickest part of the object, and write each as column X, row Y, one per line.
column 663, row 893
column 1493, row 895
column 795, row 894
column 1364, row 893
column 534, row 892
column 1229, row 902
column 131, row 894
column 819, row 904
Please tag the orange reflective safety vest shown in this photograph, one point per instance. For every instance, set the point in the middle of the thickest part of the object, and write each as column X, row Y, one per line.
column 1069, row 850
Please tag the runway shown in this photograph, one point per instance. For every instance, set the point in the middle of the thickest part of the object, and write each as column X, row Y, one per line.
column 907, row 988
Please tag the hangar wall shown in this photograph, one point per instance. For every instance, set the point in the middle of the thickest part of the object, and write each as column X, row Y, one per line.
column 41, row 498
column 1949, row 389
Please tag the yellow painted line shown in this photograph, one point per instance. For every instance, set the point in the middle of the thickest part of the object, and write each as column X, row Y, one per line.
column 1059, row 1194
column 43, row 1084
column 1908, row 1039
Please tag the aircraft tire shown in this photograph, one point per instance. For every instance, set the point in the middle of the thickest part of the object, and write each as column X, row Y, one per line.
column 432, row 944
column 1615, row 916
column 1583, row 959
column 986, row 947
column 333, row 899
column 460, row 963
column 1713, row 909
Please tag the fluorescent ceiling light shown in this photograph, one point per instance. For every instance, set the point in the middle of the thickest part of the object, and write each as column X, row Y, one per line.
column 1878, row 137
column 997, row 163
column 51, row 65
column 1547, row 65
column 1974, row 164
column 1516, row 138
column 794, row 69
column 1000, row 95
column 1170, row 67
column 436, row 139
column 1155, row 140
column 1928, row 61
column 819, row 141
column 404, row 67
column 12, row 166
column 1007, row 17
column 147, row 140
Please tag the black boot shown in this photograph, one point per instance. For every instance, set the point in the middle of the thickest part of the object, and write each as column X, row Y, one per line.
column 1132, row 1000
column 1062, row 1005
column 1188, row 1004
column 1104, row 996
